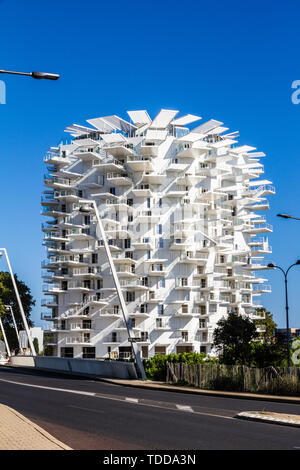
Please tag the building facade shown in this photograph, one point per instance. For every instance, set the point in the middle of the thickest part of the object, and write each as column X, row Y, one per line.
column 178, row 203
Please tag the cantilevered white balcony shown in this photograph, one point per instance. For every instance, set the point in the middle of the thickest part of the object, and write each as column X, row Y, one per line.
column 57, row 159
column 261, row 289
column 133, row 285
column 143, row 244
column 258, row 228
column 142, row 190
column 109, row 165
column 193, row 258
column 140, row 164
column 149, row 217
column 78, row 340
column 118, row 179
column 126, row 271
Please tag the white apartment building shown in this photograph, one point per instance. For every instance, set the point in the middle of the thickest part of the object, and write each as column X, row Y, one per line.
column 178, row 203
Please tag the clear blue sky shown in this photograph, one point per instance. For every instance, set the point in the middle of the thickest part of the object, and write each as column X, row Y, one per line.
column 233, row 61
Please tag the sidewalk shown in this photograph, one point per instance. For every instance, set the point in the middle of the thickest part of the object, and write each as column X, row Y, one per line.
column 155, row 385
column 18, row 433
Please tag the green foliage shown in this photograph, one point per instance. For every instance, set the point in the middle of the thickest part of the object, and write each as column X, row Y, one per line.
column 155, row 367
column 7, row 297
column 266, row 354
column 268, row 323
column 36, row 345
column 232, row 337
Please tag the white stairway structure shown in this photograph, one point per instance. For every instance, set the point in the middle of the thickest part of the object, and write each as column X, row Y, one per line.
column 178, row 204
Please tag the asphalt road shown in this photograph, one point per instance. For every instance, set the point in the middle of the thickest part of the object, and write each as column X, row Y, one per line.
column 93, row 415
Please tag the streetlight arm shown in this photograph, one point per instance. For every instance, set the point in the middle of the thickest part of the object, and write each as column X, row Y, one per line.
column 295, row 264
column 37, row 75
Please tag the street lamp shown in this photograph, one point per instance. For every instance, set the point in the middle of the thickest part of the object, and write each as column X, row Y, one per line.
column 87, row 208
column 8, row 308
column 287, row 216
column 32, row 348
column 36, row 75
column 285, row 273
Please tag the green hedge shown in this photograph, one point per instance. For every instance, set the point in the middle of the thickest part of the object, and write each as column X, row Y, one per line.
column 156, row 369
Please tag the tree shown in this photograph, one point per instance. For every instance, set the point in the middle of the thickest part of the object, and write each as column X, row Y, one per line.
column 232, row 337
column 36, row 345
column 7, row 297
column 268, row 324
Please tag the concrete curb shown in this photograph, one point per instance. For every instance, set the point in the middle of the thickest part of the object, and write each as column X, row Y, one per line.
column 213, row 393
column 273, row 418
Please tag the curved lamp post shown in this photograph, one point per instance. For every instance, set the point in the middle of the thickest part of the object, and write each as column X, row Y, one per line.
column 285, row 273
column 87, row 206
column 8, row 308
column 31, row 345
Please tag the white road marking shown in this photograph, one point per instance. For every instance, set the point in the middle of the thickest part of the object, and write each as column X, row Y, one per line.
column 132, row 400
column 78, row 392
column 185, row 408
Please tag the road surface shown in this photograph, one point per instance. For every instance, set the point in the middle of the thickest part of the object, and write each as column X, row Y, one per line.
column 93, row 415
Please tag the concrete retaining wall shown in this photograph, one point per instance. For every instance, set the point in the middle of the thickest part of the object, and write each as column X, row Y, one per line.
column 86, row 367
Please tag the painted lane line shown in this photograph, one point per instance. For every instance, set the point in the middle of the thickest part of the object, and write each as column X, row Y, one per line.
column 185, row 408
column 132, row 400
column 78, row 392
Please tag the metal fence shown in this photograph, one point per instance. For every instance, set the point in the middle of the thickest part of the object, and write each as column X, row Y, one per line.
column 272, row 380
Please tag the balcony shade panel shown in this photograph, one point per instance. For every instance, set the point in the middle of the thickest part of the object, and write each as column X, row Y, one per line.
column 163, row 119
column 76, row 130
column 207, row 126
column 139, row 118
column 113, row 138
column 156, row 135
column 191, row 137
column 243, row 149
column 184, row 120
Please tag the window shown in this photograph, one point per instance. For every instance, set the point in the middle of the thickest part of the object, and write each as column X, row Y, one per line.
column 87, row 324
column 162, row 282
column 94, row 258
column 64, row 285
column 160, row 243
column 143, row 308
column 159, row 229
column 88, row 353
column 112, row 191
column 148, row 254
column 114, row 337
column 160, row 309
column 66, row 352
column 148, row 202
column 127, row 243
column 130, row 296
column 160, row 202
column 86, row 337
